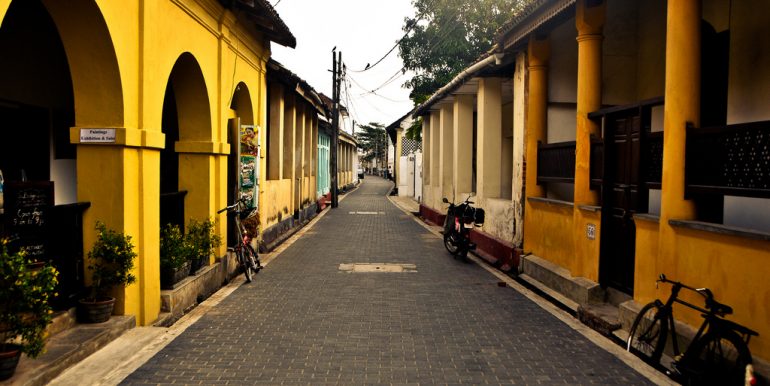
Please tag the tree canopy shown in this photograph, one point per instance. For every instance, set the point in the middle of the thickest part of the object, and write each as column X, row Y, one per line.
column 373, row 141
column 445, row 36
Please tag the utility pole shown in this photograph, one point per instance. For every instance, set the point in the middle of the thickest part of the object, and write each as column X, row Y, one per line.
column 336, row 75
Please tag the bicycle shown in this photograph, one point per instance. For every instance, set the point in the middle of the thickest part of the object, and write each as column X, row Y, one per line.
column 248, row 258
column 719, row 354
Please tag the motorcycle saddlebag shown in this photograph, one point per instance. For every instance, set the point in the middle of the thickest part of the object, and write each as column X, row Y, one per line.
column 478, row 216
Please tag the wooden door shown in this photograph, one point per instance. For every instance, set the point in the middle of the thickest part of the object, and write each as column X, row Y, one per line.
column 621, row 195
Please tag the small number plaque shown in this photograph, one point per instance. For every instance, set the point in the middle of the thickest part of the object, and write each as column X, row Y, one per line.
column 591, row 231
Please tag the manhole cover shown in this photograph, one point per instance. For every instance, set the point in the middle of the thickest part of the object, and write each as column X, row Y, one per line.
column 378, row 267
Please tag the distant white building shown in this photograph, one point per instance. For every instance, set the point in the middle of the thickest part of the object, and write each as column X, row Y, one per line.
column 406, row 160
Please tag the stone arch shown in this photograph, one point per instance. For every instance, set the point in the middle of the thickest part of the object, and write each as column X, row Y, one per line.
column 242, row 104
column 186, row 118
column 93, row 64
column 192, row 101
column 59, row 70
column 242, row 110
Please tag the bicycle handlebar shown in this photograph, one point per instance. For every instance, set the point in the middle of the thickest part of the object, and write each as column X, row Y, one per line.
column 233, row 206
column 705, row 292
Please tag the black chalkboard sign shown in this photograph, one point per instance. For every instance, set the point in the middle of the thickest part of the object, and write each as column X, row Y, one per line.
column 27, row 210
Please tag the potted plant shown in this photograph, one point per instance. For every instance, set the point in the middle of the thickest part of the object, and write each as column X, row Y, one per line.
column 203, row 242
column 25, row 311
column 174, row 256
column 112, row 259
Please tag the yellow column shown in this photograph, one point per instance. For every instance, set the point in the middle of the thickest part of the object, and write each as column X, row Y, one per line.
column 489, row 135
column 275, row 150
column 589, row 21
column 126, row 200
column 289, row 123
column 446, row 151
column 307, row 149
column 299, row 128
column 196, row 176
column 462, row 140
column 682, row 105
column 538, row 54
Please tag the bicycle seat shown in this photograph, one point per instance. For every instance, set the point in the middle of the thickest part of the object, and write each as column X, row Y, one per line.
column 718, row 308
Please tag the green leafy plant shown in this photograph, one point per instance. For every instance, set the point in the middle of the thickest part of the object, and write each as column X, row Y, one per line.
column 112, row 259
column 175, row 249
column 25, row 311
column 202, row 241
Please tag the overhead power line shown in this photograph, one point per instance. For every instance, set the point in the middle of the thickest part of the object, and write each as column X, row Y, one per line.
column 390, row 51
column 369, row 67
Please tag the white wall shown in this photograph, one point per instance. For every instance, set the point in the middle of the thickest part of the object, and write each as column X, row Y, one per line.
column 748, row 93
column 64, row 177
column 619, row 54
column 651, row 36
column 562, row 83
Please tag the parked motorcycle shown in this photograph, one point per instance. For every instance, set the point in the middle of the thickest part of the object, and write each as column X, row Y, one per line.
column 460, row 219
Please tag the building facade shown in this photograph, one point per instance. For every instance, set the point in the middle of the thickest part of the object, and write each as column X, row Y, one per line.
column 638, row 146
column 120, row 108
column 292, row 163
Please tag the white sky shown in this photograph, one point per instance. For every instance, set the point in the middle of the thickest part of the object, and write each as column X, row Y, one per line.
column 364, row 30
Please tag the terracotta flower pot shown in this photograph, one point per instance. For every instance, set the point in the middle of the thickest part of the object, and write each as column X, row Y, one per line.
column 98, row 311
column 9, row 359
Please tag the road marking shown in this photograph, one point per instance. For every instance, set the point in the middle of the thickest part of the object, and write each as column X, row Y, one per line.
column 377, row 267
column 366, row 212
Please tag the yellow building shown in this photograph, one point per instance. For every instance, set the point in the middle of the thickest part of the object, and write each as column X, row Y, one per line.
column 289, row 195
column 131, row 106
column 644, row 130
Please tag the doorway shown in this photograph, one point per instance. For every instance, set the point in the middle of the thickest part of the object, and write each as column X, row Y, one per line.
column 622, row 196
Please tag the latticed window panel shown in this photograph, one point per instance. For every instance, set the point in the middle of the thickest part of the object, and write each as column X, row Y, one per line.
column 409, row 146
column 732, row 159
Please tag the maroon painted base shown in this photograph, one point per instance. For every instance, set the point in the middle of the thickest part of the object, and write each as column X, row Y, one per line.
column 431, row 216
column 497, row 252
column 324, row 201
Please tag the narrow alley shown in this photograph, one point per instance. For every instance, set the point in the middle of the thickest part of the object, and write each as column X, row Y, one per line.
column 304, row 321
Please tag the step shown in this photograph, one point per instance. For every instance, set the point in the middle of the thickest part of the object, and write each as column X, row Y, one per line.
column 578, row 289
column 165, row 319
column 558, row 297
column 68, row 348
column 602, row 318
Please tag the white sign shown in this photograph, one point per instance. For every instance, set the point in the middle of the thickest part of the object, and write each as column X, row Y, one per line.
column 591, row 231
column 97, row 135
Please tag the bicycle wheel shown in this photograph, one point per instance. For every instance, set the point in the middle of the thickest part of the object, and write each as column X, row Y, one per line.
column 253, row 259
column 648, row 334
column 243, row 260
column 718, row 358
column 450, row 243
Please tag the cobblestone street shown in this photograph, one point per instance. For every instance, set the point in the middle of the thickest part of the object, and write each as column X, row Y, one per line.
column 304, row 321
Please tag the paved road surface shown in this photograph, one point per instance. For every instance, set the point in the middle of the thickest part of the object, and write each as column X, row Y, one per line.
column 303, row 321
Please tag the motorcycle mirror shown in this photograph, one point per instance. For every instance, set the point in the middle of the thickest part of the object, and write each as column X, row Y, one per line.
column 444, row 200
